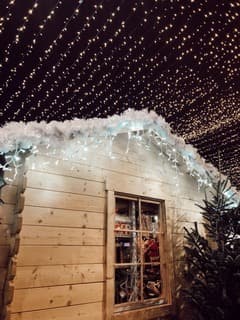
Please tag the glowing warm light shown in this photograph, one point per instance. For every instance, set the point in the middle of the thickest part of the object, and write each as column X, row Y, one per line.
column 81, row 59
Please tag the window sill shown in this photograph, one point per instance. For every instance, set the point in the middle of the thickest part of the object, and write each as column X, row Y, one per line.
column 146, row 313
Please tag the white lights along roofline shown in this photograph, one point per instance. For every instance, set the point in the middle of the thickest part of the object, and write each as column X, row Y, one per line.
column 21, row 136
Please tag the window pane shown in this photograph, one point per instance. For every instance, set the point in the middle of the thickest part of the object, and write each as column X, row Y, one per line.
column 150, row 249
column 127, row 247
column 127, row 284
column 150, row 216
column 137, row 255
column 151, row 281
column 127, row 216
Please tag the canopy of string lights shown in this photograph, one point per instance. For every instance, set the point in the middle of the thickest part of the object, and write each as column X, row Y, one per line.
column 87, row 58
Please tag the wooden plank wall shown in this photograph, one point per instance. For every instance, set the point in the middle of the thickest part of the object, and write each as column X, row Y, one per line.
column 60, row 263
column 10, row 225
column 8, row 194
column 60, row 269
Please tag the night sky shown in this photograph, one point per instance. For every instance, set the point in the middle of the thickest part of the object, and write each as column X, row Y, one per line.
column 65, row 59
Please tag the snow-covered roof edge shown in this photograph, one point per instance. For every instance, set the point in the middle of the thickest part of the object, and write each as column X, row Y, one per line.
column 27, row 135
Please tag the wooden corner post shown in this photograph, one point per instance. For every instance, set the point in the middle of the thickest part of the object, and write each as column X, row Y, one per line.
column 109, row 302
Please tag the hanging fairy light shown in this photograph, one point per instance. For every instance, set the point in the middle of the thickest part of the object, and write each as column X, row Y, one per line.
column 62, row 58
column 13, row 161
column 16, row 40
column 36, row 37
column 143, row 129
column 8, row 16
column 105, row 63
column 69, row 71
column 30, row 137
column 179, row 59
column 30, row 48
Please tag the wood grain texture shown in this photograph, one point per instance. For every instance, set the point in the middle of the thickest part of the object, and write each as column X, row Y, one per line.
column 138, row 162
column 48, row 181
column 4, row 249
column 61, row 263
column 139, row 186
column 67, row 168
column 148, row 313
column 55, row 255
column 14, row 245
column 6, row 214
column 59, row 296
column 110, row 256
column 9, row 194
column 17, row 224
column 43, row 235
column 5, row 236
column 90, row 311
column 12, row 267
column 60, row 200
column 3, row 272
column 6, row 312
column 40, row 276
column 8, row 292
column 181, row 203
column 62, row 218
column 20, row 203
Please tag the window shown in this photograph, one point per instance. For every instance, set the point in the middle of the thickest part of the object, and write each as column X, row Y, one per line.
column 139, row 262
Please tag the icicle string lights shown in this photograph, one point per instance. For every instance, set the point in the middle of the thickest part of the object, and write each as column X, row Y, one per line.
column 13, row 162
column 73, row 139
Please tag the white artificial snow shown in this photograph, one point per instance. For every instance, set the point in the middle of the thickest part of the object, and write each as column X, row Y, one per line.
column 16, row 135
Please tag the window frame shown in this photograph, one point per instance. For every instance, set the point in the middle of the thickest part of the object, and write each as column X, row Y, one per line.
column 115, row 311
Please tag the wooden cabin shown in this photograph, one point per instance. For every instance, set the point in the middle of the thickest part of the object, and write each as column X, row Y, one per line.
column 97, row 236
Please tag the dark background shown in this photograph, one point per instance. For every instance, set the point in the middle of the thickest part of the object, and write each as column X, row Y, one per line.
column 70, row 58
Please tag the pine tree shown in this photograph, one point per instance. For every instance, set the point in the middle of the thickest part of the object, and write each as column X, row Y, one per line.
column 213, row 262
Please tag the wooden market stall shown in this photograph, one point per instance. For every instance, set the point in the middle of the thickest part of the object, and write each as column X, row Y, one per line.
column 102, row 234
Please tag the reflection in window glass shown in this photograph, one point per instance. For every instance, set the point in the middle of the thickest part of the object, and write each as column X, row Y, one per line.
column 151, row 281
column 127, row 284
column 127, row 248
column 126, row 214
column 150, row 217
column 150, row 249
column 137, row 252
